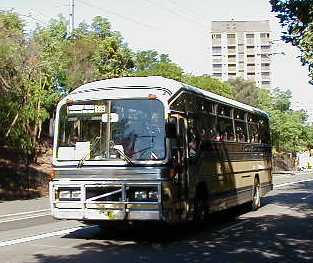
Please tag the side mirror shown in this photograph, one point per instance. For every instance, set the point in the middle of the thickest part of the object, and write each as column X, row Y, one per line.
column 170, row 130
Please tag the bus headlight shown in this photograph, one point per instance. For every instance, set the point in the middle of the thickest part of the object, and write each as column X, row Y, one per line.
column 153, row 195
column 140, row 195
column 64, row 194
column 143, row 194
column 76, row 194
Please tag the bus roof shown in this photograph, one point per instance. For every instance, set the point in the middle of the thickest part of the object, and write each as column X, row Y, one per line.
column 165, row 88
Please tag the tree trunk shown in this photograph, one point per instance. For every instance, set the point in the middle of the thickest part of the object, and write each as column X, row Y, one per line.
column 12, row 124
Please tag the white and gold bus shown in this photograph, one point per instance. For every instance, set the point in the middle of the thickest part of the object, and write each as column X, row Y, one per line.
column 151, row 148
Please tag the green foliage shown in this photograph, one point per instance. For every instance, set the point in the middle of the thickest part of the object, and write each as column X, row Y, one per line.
column 297, row 17
column 209, row 84
column 289, row 129
column 37, row 69
column 151, row 63
column 244, row 91
column 26, row 87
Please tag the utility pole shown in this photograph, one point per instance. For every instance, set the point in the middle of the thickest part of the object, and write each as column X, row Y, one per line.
column 71, row 24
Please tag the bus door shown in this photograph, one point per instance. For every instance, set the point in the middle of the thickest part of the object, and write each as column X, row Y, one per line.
column 181, row 157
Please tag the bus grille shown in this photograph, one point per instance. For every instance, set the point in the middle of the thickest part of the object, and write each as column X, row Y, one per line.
column 104, row 194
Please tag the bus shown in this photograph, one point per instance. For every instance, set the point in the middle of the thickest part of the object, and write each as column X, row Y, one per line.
column 155, row 149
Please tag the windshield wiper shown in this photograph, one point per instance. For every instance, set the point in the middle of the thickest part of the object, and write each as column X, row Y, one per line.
column 83, row 159
column 121, row 153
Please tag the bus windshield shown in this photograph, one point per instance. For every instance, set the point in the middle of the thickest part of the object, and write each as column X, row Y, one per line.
column 128, row 129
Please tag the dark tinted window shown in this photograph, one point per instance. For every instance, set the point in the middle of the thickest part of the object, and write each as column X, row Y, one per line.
column 225, row 129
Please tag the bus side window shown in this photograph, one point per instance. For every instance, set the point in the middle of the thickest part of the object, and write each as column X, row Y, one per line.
column 254, row 133
column 264, row 131
column 240, row 126
column 225, row 129
column 254, row 129
column 241, row 131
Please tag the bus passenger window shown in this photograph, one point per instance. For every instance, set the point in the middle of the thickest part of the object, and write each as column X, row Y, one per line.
column 241, row 131
column 264, row 131
column 207, row 127
column 225, row 129
column 254, row 133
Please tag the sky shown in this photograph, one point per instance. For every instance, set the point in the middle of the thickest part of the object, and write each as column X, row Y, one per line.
column 179, row 28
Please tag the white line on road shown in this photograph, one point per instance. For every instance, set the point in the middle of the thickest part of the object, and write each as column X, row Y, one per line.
column 291, row 183
column 23, row 218
column 41, row 236
column 25, row 213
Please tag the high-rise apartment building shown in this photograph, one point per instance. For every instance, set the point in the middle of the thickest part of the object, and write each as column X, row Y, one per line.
column 241, row 49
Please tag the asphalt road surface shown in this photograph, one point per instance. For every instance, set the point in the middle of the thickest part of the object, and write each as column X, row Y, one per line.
column 281, row 231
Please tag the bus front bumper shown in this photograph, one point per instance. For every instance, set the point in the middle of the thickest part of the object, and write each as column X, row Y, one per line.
column 97, row 208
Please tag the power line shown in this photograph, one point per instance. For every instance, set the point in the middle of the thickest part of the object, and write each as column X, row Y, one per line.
column 119, row 15
column 28, row 15
column 179, row 14
column 189, row 14
column 33, row 18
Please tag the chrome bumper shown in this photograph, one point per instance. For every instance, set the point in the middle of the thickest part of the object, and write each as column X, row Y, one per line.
column 93, row 209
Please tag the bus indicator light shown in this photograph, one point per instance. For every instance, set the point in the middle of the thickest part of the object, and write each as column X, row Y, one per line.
column 152, row 96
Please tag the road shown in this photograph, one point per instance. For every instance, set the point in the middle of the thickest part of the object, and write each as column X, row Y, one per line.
column 281, row 231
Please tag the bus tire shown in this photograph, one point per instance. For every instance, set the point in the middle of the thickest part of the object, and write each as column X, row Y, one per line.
column 256, row 195
column 200, row 205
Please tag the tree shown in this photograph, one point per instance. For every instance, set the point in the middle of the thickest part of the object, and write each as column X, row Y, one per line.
column 210, row 84
column 244, row 91
column 92, row 52
column 297, row 17
column 27, row 80
column 146, row 59
column 151, row 63
column 289, row 129
column 37, row 69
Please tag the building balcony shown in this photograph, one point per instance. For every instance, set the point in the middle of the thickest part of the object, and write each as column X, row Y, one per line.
column 265, row 68
column 250, row 75
column 250, row 51
column 265, row 42
column 250, row 41
column 232, row 69
column 231, row 51
column 231, row 42
column 250, row 68
column 232, row 75
column 217, row 70
column 266, row 49
column 266, row 83
column 232, row 59
column 216, row 42
column 265, row 76
column 265, row 58
column 217, row 75
column 216, row 50
column 250, row 60
column 217, row 61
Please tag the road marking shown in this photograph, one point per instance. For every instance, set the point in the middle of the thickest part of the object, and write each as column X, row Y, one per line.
column 25, row 213
column 23, row 218
column 42, row 236
column 291, row 183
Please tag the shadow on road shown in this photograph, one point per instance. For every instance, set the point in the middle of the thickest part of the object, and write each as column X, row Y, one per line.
column 284, row 235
